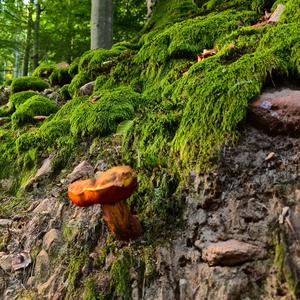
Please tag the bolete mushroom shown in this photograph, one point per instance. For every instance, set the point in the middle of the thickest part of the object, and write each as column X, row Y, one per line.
column 110, row 189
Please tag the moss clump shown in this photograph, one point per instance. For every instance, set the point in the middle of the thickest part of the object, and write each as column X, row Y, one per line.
column 102, row 61
column 51, row 132
column 64, row 92
column 77, row 82
column 7, row 152
column 219, row 5
column 44, row 70
column 26, row 141
column 34, row 106
column 190, row 37
column 120, row 277
column 103, row 116
column 60, row 76
column 90, row 291
column 28, row 83
column 19, row 98
column 73, row 271
column 151, row 137
column 285, row 269
column 73, row 69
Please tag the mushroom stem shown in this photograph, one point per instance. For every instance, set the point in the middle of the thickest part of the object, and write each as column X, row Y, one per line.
column 120, row 222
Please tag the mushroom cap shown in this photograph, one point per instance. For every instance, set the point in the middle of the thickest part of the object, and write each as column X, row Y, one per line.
column 112, row 186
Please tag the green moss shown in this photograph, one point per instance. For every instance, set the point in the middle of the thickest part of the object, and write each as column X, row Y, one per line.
column 120, row 277
column 7, row 152
column 109, row 247
column 34, row 106
column 73, row 271
column 19, row 98
column 187, row 38
column 26, row 141
column 285, row 270
column 150, row 137
column 77, row 82
column 73, row 69
column 60, row 76
column 103, row 116
column 291, row 12
column 44, row 70
column 85, row 60
column 219, row 5
column 169, row 12
column 28, row 83
column 90, row 292
column 64, row 92
column 102, row 61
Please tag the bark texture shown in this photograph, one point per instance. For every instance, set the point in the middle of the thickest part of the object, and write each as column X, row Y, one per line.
column 101, row 24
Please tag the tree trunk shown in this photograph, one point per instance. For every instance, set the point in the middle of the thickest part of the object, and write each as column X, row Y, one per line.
column 17, row 59
column 28, row 39
column 35, row 58
column 101, row 24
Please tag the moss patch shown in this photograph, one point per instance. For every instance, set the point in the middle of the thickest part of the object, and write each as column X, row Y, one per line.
column 103, row 116
column 28, row 83
column 60, row 76
column 34, row 106
column 19, row 98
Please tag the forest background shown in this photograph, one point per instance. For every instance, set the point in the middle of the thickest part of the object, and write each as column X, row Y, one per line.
column 51, row 31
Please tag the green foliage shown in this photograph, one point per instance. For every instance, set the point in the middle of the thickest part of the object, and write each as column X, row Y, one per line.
column 60, row 76
column 19, row 98
column 103, row 116
column 28, row 83
column 34, row 106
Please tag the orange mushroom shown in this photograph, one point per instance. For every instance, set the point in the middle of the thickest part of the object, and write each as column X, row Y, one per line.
column 110, row 189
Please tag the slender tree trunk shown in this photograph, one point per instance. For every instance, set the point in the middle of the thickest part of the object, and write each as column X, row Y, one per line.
column 101, row 24
column 35, row 58
column 17, row 60
column 28, row 39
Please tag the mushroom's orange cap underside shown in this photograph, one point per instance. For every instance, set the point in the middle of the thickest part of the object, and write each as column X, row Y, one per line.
column 114, row 185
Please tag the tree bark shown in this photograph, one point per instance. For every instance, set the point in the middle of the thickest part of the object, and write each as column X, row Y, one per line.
column 28, row 39
column 35, row 57
column 101, row 24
